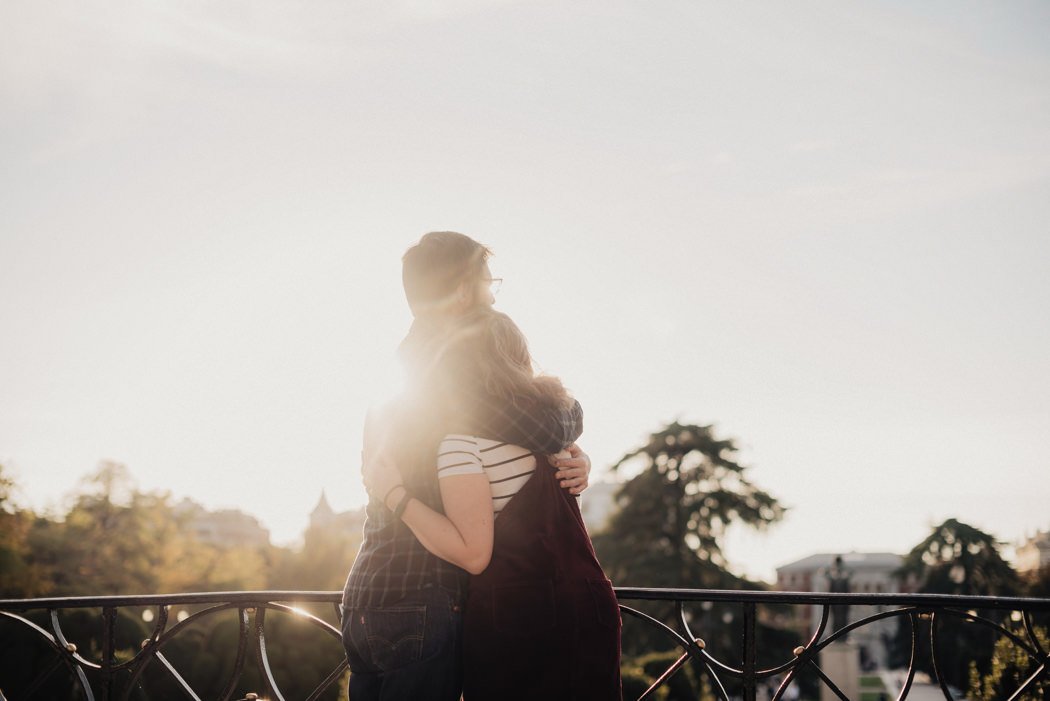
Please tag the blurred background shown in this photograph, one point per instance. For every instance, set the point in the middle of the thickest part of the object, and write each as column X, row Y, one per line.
column 818, row 227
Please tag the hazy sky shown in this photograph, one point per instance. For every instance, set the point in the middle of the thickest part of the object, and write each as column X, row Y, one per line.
column 821, row 226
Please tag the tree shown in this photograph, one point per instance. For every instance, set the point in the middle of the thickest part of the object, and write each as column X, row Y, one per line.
column 117, row 539
column 7, row 486
column 322, row 562
column 113, row 540
column 673, row 515
column 957, row 558
column 669, row 528
column 1011, row 667
column 18, row 576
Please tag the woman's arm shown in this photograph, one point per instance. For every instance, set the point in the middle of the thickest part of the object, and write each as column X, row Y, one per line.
column 545, row 429
column 464, row 534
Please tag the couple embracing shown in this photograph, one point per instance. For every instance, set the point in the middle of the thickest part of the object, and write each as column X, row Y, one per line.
column 476, row 574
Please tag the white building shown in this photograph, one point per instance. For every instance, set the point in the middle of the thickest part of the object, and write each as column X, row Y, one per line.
column 225, row 528
column 597, row 504
column 324, row 518
column 1033, row 554
column 869, row 573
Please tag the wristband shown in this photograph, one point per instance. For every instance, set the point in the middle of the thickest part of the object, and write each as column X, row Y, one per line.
column 399, row 510
column 391, row 491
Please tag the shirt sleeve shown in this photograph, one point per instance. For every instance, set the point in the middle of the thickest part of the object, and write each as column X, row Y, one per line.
column 459, row 455
column 542, row 429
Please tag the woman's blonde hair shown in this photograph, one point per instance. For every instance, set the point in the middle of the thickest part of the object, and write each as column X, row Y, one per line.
column 457, row 372
column 488, row 353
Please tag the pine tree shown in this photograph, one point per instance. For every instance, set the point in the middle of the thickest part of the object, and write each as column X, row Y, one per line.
column 673, row 515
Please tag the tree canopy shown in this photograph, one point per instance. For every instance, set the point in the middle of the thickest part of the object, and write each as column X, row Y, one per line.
column 672, row 516
column 957, row 558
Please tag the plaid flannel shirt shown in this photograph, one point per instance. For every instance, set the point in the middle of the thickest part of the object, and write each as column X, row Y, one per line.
column 391, row 562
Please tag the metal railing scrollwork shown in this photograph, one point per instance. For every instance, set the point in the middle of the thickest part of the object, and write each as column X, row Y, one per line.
column 915, row 610
column 254, row 642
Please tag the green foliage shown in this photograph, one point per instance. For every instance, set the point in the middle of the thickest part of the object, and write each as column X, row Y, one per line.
column 673, row 515
column 117, row 539
column 1011, row 666
column 321, row 564
column 685, row 685
column 634, row 681
column 7, row 487
column 956, row 558
column 670, row 524
column 1037, row 584
column 18, row 576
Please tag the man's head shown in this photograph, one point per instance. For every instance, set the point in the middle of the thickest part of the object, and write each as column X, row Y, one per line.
column 446, row 273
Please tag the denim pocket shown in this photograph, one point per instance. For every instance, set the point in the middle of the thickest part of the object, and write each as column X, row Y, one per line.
column 395, row 635
column 525, row 608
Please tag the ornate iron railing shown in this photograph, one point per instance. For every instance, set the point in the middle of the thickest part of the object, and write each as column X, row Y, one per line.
column 108, row 668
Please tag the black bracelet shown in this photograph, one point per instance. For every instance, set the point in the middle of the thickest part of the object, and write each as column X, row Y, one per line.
column 399, row 510
column 391, row 491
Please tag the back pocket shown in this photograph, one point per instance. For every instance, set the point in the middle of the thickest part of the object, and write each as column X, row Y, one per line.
column 395, row 635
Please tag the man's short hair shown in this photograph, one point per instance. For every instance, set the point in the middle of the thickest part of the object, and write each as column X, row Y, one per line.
column 433, row 269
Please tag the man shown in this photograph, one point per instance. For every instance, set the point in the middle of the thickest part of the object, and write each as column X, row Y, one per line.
column 402, row 605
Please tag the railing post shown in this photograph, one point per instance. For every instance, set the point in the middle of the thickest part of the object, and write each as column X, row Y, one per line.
column 750, row 654
column 109, row 621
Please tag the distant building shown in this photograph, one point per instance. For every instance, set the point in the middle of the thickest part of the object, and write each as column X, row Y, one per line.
column 1033, row 554
column 869, row 573
column 224, row 528
column 597, row 504
column 324, row 518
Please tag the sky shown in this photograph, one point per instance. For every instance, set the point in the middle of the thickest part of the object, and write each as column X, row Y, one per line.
column 818, row 226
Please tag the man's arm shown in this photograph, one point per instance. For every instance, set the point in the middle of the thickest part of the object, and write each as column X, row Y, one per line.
column 541, row 429
column 548, row 430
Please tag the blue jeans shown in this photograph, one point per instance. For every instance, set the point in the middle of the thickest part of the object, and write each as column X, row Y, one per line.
column 408, row 650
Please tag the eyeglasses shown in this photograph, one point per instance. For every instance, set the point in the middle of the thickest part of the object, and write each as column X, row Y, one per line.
column 494, row 284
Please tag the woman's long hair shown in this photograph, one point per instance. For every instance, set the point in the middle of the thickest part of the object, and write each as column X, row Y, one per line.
column 456, row 372
column 497, row 356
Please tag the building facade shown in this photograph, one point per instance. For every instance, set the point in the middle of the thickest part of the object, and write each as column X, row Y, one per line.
column 864, row 573
column 325, row 519
column 597, row 504
column 1033, row 554
column 226, row 528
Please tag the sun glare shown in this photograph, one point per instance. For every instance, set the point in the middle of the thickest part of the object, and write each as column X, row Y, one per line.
column 382, row 379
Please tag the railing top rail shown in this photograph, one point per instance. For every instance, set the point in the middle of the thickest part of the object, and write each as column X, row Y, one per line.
column 623, row 593
column 854, row 599
column 191, row 598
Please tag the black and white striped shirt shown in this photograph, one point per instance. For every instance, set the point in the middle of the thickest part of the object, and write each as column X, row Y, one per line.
column 507, row 466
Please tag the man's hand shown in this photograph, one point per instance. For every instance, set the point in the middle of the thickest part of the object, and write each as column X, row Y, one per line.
column 380, row 474
column 574, row 470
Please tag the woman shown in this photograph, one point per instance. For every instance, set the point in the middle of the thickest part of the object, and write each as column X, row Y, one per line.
column 541, row 618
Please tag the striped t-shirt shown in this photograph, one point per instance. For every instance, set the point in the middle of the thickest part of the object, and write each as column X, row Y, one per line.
column 507, row 466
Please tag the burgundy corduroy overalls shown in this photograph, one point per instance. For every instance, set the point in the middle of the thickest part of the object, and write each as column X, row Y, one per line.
column 542, row 621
